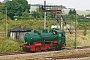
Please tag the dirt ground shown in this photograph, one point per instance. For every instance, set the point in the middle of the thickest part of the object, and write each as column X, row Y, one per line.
column 42, row 55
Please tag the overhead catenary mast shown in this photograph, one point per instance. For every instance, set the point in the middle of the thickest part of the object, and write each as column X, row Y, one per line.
column 45, row 15
column 58, row 12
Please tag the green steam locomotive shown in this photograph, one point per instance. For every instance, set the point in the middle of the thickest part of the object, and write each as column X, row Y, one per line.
column 45, row 40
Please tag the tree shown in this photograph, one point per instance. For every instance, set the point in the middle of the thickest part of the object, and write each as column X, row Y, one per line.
column 25, row 14
column 6, row 1
column 1, row 5
column 37, row 14
column 2, row 16
column 16, row 8
column 23, row 4
column 70, row 12
column 74, row 12
column 50, row 15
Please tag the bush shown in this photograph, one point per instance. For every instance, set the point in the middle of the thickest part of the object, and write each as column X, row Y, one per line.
column 85, row 31
column 9, row 45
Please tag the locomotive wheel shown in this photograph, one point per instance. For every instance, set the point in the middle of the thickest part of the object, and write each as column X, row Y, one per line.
column 58, row 47
column 38, row 48
column 26, row 50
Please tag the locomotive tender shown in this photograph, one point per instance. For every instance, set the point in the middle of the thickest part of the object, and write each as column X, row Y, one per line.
column 43, row 41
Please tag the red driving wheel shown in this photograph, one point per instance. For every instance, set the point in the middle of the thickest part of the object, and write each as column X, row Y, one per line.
column 38, row 48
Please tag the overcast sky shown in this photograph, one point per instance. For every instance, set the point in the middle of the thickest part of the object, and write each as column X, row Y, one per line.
column 77, row 4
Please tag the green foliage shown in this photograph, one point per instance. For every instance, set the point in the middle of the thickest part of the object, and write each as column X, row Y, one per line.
column 25, row 14
column 10, row 8
column 37, row 14
column 6, row 1
column 16, row 8
column 40, row 15
column 72, row 11
column 88, row 14
column 83, row 24
column 72, row 14
column 9, row 45
column 22, row 18
column 83, row 20
column 1, row 5
column 50, row 16
column 85, row 32
column 32, row 24
column 81, row 40
column 71, row 17
column 23, row 4
column 2, row 16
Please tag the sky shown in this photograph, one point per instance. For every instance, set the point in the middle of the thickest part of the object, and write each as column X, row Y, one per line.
column 77, row 4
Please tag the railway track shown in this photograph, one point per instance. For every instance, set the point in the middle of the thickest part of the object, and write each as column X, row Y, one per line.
column 15, row 53
column 81, row 47
column 72, row 56
column 69, row 56
column 12, row 53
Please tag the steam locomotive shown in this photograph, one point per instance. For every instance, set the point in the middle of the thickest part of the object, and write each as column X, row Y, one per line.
column 37, row 41
column 47, row 40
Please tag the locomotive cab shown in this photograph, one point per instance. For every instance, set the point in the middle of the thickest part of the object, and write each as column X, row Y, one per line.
column 61, row 38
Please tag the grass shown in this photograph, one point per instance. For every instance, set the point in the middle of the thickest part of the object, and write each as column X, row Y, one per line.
column 81, row 40
column 87, row 59
column 32, row 24
column 9, row 45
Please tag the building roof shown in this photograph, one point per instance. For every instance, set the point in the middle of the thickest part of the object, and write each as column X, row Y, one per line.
column 20, row 29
